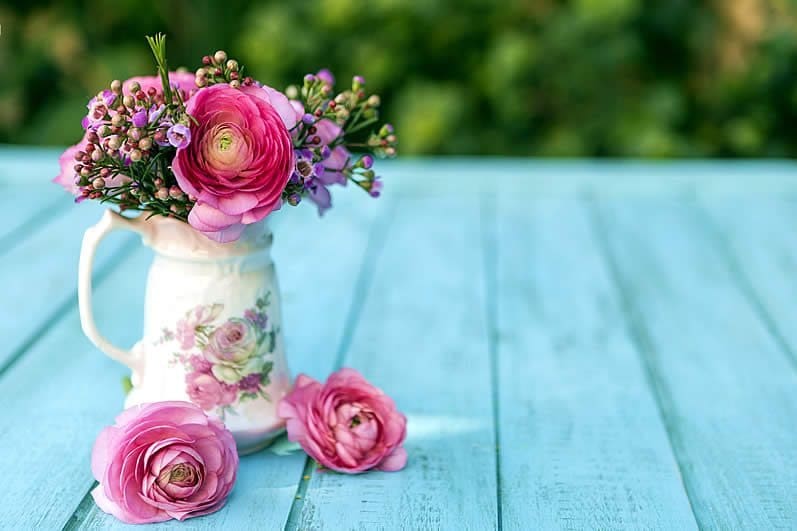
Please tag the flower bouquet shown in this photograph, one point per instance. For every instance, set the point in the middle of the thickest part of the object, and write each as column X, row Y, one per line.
column 206, row 157
column 220, row 150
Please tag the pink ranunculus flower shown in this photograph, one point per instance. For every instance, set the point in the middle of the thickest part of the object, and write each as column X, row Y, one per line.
column 161, row 461
column 66, row 175
column 346, row 424
column 239, row 159
column 183, row 80
column 207, row 392
column 66, row 163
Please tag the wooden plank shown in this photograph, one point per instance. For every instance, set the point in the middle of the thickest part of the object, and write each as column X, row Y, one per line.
column 760, row 241
column 24, row 208
column 422, row 338
column 318, row 261
column 40, row 276
column 729, row 395
column 583, row 445
column 55, row 401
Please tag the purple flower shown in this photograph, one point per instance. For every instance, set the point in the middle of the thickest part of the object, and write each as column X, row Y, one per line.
column 319, row 195
column 140, row 118
column 179, row 136
column 108, row 97
column 250, row 383
column 376, row 188
column 258, row 319
column 155, row 113
column 326, row 76
column 366, row 161
column 308, row 118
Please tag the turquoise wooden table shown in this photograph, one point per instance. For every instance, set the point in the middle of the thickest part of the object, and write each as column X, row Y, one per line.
column 577, row 345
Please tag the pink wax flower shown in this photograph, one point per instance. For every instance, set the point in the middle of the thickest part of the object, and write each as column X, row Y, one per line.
column 207, row 392
column 161, row 461
column 346, row 424
column 239, row 159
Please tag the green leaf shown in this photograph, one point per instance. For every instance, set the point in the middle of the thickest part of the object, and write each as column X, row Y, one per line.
column 127, row 385
column 282, row 446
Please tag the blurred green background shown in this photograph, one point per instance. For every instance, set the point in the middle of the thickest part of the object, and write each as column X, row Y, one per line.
column 658, row 78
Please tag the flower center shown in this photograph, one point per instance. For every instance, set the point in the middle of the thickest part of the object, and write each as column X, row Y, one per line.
column 355, row 421
column 225, row 141
column 304, row 168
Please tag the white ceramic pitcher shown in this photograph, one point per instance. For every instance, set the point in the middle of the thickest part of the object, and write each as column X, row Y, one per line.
column 212, row 325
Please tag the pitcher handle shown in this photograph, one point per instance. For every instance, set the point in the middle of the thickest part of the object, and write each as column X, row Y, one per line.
column 109, row 222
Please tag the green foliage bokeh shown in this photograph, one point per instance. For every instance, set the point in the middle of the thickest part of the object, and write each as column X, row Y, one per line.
column 640, row 78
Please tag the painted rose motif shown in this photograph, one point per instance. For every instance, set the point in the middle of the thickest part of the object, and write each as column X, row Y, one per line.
column 226, row 362
column 233, row 349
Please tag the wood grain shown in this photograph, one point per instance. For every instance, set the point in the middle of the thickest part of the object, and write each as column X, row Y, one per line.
column 422, row 338
column 56, row 399
column 760, row 241
column 583, row 445
column 40, row 275
column 729, row 394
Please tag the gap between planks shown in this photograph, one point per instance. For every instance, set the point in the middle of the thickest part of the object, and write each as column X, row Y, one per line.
column 373, row 249
column 749, row 292
column 489, row 234
column 642, row 341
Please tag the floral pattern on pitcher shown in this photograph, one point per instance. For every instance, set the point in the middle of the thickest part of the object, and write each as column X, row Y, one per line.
column 226, row 362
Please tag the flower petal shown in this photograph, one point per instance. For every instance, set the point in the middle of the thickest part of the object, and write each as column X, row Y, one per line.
column 395, row 461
